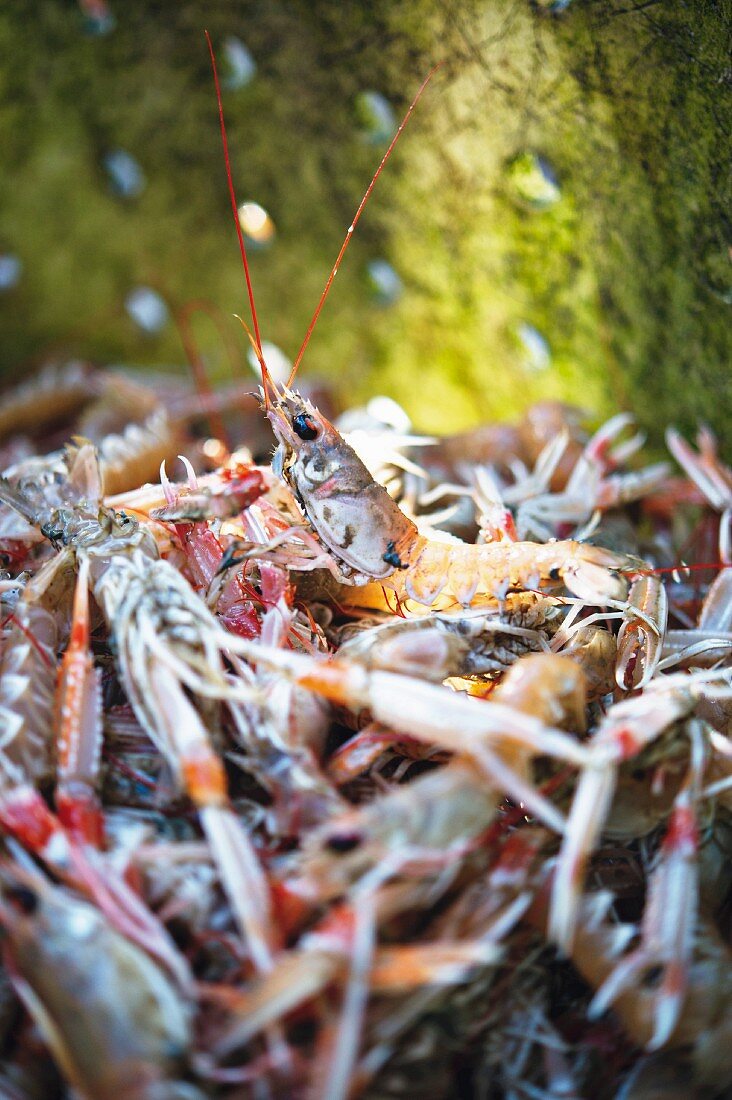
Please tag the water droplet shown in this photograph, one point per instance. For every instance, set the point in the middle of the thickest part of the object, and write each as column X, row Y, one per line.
column 536, row 351
column 215, row 450
column 278, row 365
column 147, row 309
column 386, row 286
column 532, row 182
column 554, row 7
column 256, row 224
column 126, row 177
column 98, row 19
column 240, row 68
column 11, row 269
column 376, row 119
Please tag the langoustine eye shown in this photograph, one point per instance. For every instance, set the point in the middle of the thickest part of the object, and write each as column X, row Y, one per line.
column 304, row 426
column 340, row 843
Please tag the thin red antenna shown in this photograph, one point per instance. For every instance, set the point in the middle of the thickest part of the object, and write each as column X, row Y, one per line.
column 235, row 209
column 682, row 567
column 354, row 223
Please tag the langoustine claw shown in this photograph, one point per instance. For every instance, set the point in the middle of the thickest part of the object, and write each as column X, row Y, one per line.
column 706, row 469
column 626, row 730
column 640, row 640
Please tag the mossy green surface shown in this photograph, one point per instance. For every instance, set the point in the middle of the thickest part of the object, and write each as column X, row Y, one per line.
column 625, row 273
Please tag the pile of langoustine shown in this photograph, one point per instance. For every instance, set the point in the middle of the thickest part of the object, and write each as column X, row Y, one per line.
column 359, row 776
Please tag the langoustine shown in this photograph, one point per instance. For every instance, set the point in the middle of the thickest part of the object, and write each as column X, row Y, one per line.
column 409, row 891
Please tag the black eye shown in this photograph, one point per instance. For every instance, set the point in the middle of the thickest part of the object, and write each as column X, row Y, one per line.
column 343, row 842
column 304, row 426
column 24, row 898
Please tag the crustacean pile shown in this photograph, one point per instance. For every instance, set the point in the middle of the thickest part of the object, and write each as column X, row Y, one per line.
column 394, row 767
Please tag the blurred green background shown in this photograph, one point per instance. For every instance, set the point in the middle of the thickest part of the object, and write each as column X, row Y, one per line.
column 555, row 221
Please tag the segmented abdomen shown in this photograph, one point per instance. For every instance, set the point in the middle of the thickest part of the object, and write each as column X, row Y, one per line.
column 134, row 455
column 462, row 571
column 27, row 687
